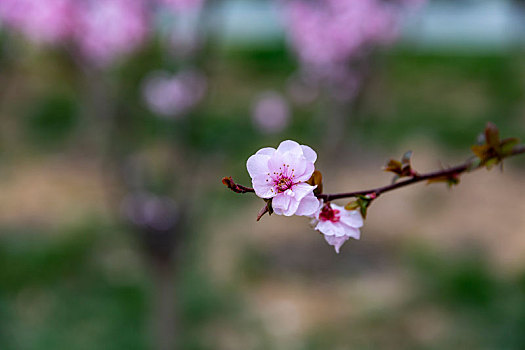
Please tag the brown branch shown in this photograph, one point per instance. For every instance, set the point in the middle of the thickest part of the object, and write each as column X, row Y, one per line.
column 228, row 181
column 470, row 165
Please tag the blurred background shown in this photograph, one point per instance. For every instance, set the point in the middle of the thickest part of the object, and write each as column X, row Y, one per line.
column 120, row 117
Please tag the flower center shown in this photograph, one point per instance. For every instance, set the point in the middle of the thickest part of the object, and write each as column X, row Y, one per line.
column 283, row 179
column 329, row 214
column 283, row 183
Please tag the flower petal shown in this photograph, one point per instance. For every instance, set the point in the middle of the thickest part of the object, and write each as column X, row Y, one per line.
column 337, row 229
column 351, row 218
column 352, row 232
column 328, row 228
column 307, row 173
column 287, row 163
column 258, row 165
column 263, row 186
column 267, row 151
column 301, row 190
column 337, row 242
column 309, row 153
column 289, row 146
column 308, row 205
column 284, row 204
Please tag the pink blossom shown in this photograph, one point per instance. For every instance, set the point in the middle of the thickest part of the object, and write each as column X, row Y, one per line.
column 338, row 224
column 331, row 37
column 172, row 95
column 48, row 21
column 108, row 29
column 333, row 31
column 271, row 113
column 101, row 30
column 281, row 174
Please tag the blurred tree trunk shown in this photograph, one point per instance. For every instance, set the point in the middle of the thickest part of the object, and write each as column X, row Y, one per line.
column 164, row 322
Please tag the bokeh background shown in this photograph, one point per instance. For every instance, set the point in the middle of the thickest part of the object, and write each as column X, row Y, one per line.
column 119, row 118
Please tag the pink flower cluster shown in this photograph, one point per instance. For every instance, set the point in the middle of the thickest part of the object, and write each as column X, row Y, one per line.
column 330, row 37
column 332, row 31
column 101, row 30
column 109, row 29
column 47, row 21
column 281, row 175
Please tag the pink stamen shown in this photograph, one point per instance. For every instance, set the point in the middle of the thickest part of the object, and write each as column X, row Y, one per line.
column 283, row 181
column 329, row 214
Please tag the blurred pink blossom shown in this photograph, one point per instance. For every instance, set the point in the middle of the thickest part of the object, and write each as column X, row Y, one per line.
column 172, row 95
column 108, row 29
column 102, row 31
column 271, row 113
column 331, row 36
column 47, row 21
column 332, row 31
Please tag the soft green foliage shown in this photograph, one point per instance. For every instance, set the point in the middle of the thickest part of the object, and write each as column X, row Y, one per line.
column 57, row 293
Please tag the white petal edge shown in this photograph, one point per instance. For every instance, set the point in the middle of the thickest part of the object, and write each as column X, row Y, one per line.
column 309, row 153
column 289, row 146
column 263, row 189
column 302, row 190
column 267, row 151
column 258, row 165
column 351, row 218
column 307, row 174
column 336, row 242
column 281, row 203
column 308, row 206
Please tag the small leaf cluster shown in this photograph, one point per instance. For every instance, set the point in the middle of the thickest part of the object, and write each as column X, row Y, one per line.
column 401, row 168
column 361, row 203
column 491, row 150
column 450, row 180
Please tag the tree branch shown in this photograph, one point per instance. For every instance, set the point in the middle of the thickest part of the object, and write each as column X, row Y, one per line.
column 228, row 181
column 450, row 173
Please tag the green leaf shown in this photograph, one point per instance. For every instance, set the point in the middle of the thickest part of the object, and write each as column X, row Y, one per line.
column 353, row 205
column 406, row 157
column 450, row 180
column 393, row 166
column 395, row 178
column 507, row 145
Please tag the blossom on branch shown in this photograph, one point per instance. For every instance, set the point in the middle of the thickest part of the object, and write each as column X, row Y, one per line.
column 285, row 177
column 281, row 174
column 338, row 224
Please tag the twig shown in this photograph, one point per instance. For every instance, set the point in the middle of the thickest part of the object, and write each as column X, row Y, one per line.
column 453, row 172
